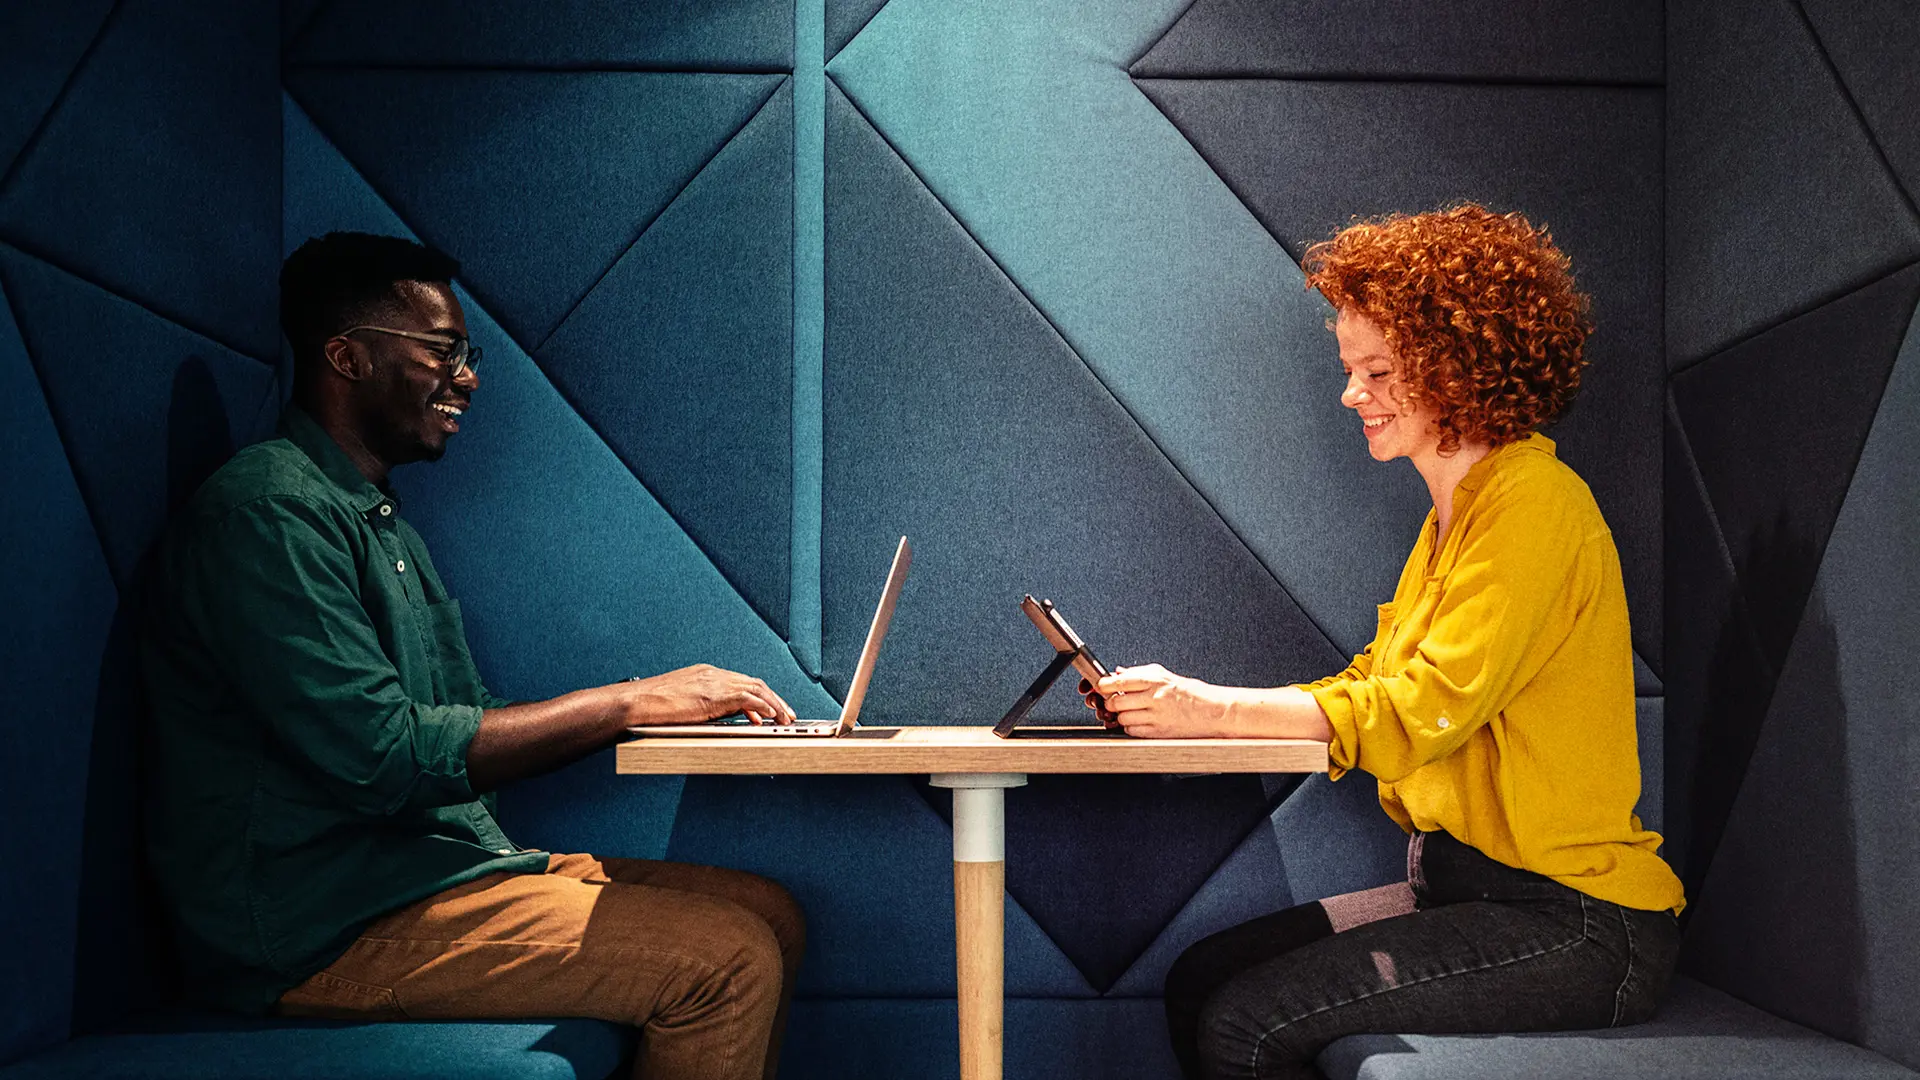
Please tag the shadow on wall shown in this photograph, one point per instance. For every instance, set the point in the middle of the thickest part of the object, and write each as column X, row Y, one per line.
column 1779, row 917
column 123, row 956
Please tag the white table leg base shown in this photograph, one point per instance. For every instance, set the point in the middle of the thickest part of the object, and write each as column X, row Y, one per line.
column 979, row 913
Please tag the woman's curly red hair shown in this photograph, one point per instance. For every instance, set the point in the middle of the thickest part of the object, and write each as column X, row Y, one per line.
column 1480, row 309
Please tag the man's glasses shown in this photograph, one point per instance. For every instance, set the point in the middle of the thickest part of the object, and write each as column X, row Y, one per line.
column 461, row 354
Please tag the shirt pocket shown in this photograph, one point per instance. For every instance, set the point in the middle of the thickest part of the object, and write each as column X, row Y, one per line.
column 455, row 680
column 1404, row 625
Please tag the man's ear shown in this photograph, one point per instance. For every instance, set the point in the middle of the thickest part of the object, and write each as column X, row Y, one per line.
column 349, row 360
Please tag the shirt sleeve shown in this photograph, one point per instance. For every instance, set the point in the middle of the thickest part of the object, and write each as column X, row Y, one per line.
column 1507, row 591
column 280, row 604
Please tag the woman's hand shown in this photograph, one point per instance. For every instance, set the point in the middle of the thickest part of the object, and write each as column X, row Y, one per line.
column 1154, row 703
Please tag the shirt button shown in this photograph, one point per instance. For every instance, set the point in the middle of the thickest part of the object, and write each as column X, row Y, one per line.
column 386, row 509
column 506, row 851
column 400, row 565
column 1445, row 723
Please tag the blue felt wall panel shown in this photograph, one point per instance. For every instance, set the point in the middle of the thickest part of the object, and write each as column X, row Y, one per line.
column 871, row 865
column 147, row 410
column 1872, row 45
column 1775, row 494
column 1776, row 200
column 547, row 177
column 1808, row 908
column 40, row 44
column 55, row 586
column 1557, row 41
column 1308, row 157
column 709, row 35
column 1021, row 119
column 682, row 358
column 167, row 129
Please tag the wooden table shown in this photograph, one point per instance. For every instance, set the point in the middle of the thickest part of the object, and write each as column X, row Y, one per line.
column 979, row 767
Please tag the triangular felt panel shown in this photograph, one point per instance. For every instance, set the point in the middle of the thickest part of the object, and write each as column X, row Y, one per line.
column 147, row 409
column 321, row 192
column 1334, row 838
column 955, row 415
column 682, row 358
column 1718, row 680
column 568, row 570
column 711, row 35
column 846, row 18
column 1135, row 849
column 535, row 181
column 38, row 51
column 1825, row 820
column 1307, row 157
column 157, row 176
column 1873, row 45
column 1776, row 199
column 1251, row 882
column 1555, row 41
column 296, row 18
column 590, row 806
column 872, row 866
column 59, row 601
column 1776, row 476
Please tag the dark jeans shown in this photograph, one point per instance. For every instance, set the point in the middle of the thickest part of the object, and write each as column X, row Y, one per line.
column 1489, row 949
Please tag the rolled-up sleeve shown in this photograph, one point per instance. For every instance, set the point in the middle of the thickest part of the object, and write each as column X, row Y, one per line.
column 1490, row 629
column 279, row 595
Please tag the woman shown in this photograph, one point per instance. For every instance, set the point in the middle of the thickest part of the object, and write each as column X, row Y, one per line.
column 1494, row 705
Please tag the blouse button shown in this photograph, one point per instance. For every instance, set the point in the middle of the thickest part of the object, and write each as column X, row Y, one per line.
column 1444, row 723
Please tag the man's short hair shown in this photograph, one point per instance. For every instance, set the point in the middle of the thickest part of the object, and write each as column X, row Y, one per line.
column 346, row 279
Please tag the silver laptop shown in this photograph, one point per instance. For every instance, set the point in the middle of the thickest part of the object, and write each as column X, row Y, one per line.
column 849, row 713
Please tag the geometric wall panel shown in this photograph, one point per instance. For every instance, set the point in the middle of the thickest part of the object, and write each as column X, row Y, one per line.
column 1808, row 910
column 845, row 18
column 38, row 51
column 682, row 358
column 1559, row 40
column 1776, row 424
column 1769, row 172
column 955, row 415
column 707, row 35
column 1308, row 157
column 1873, row 45
column 147, row 179
column 59, row 600
column 535, row 181
column 147, row 409
column 1119, row 234
column 893, row 935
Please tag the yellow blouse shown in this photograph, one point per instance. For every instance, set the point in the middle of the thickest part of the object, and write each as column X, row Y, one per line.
column 1496, row 699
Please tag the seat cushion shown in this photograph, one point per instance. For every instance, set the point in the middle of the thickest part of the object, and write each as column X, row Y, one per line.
column 1700, row 1033
column 203, row 1047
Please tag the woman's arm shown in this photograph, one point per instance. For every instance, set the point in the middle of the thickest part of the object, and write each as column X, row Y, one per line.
column 1154, row 703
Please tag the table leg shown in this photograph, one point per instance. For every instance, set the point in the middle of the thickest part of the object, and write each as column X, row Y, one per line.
column 979, row 913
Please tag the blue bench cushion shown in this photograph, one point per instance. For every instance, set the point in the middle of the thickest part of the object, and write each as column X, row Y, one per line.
column 1700, row 1033
column 203, row 1047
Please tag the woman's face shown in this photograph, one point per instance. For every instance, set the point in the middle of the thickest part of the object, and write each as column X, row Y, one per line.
column 1394, row 426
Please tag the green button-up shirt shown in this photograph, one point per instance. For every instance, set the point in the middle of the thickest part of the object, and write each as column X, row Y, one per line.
column 313, row 699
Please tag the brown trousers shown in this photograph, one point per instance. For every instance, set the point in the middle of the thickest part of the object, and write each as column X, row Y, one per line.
column 701, row 959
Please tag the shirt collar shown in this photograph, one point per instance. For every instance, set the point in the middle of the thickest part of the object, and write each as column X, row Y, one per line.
column 1483, row 468
column 312, row 439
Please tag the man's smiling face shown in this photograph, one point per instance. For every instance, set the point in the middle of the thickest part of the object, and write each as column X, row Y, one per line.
column 411, row 405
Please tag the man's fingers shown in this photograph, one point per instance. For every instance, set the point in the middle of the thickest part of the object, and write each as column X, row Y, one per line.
column 753, row 717
column 782, row 712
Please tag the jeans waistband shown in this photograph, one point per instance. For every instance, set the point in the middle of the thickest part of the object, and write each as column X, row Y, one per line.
column 1442, row 870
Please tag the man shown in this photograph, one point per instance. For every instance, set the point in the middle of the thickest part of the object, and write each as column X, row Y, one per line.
column 322, row 821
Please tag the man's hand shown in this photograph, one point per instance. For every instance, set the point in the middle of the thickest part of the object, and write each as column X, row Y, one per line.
column 701, row 692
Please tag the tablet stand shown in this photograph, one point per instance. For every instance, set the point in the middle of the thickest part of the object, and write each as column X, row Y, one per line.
column 1038, row 689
